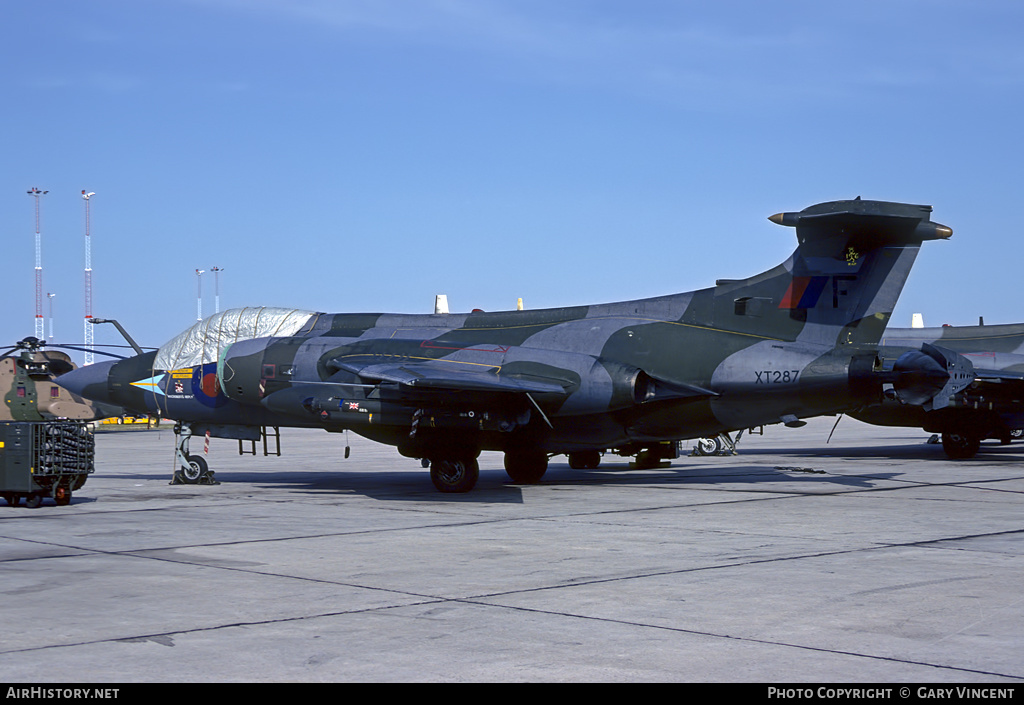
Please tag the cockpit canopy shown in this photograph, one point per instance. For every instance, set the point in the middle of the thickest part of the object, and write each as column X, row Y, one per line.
column 203, row 342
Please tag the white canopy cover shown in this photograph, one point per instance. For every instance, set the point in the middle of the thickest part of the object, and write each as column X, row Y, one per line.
column 203, row 342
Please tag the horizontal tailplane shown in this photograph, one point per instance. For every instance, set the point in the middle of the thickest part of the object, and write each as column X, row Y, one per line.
column 850, row 266
column 864, row 224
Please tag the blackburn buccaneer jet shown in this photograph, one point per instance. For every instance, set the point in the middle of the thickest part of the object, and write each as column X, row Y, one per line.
column 634, row 377
column 991, row 407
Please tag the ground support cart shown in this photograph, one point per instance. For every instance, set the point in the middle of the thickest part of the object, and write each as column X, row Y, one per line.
column 44, row 459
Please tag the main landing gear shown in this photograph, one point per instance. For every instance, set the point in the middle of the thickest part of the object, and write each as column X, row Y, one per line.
column 959, row 445
column 454, row 474
column 526, row 466
column 459, row 472
column 584, row 459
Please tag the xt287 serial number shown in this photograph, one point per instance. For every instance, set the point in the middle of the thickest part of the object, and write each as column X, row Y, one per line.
column 775, row 376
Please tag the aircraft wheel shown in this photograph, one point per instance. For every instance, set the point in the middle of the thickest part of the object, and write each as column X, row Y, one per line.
column 959, row 446
column 453, row 475
column 61, row 495
column 196, row 469
column 585, row 459
column 708, row 446
column 526, row 467
column 647, row 459
column 33, row 500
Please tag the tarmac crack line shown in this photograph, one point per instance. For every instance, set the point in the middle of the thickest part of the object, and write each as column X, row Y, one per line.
column 479, row 602
column 487, row 600
column 753, row 640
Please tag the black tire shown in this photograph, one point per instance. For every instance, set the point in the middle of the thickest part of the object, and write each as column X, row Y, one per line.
column 34, row 500
column 585, row 459
column 454, row 475
column 960, row 446
column 13, row 499
column 526, row 467
column 647, row 460
column 61, row 494
column 196, row 470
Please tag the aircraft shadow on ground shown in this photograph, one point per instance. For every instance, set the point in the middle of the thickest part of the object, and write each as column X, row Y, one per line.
column 727, row 472
column 991, row 451
column 494, row 485
column 729, row 475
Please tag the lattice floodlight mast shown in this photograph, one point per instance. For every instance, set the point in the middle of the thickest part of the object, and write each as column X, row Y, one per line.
column 40, row 332
column 88, row 282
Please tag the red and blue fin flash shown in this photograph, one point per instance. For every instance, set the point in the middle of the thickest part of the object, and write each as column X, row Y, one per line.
column 803, row 292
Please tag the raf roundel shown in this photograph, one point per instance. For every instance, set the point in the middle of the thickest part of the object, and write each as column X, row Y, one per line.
column 206, row 388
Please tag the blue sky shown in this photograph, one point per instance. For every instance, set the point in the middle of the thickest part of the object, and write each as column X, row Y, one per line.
column 365, row 155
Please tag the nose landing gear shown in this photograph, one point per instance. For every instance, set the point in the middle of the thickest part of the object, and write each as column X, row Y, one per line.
column 191, row 469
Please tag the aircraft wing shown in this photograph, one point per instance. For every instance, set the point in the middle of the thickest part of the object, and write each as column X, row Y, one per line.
column 413, row 378
column 997, row 366
column 998, row 375
column 442, row 375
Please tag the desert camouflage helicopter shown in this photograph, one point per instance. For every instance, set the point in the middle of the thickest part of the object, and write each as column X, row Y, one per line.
column 633, row 378
column 27, row 374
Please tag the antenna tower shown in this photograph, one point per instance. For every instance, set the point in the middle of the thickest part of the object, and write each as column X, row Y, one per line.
column 40, row 328
column 88, row 282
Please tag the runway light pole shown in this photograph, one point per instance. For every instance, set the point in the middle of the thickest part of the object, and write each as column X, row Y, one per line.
column 216, row 288
column 88, row 281
column 199, row 291
column 50, row 297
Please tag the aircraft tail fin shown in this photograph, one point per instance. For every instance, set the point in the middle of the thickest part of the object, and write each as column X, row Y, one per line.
column 843, row 281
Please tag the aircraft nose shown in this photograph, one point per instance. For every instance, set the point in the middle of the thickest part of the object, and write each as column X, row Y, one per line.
column 90, row 382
